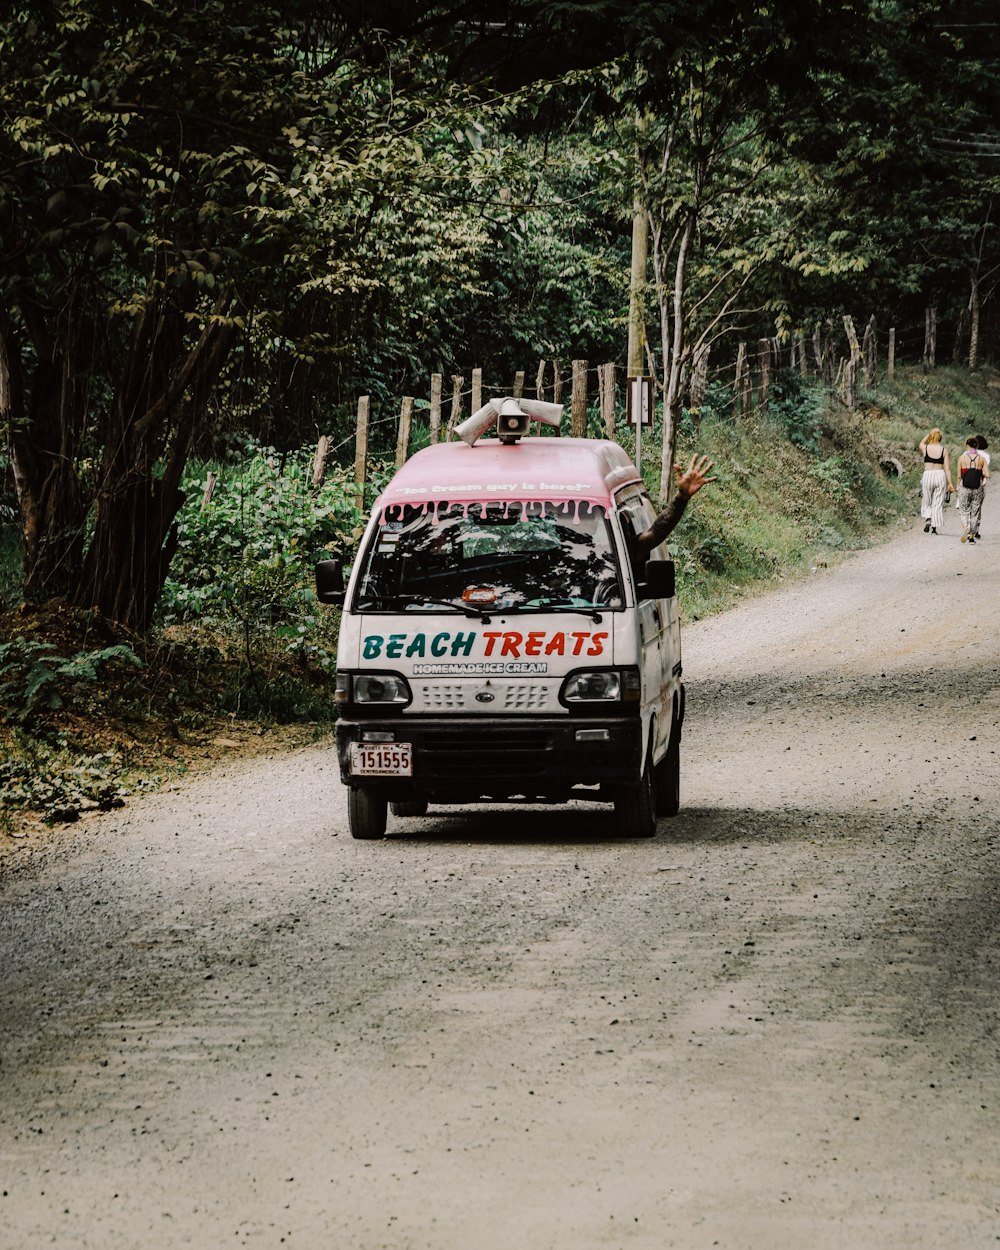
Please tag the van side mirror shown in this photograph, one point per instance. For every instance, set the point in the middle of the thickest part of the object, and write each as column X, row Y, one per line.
column 330, row 582
column 659, row 580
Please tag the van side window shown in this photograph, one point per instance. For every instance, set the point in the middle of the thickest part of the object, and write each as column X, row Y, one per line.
column 637, row 509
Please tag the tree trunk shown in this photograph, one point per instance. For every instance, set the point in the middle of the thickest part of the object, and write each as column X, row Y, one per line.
column 974, row 306
column 43, row 452
column 130, row 551
column 930, row 339
column 102, row 536
column 818, row 351
column 675, row 364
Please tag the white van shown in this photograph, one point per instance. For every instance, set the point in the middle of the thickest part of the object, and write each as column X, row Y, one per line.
column 499, row 640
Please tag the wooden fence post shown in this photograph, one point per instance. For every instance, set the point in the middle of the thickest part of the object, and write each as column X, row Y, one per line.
column 212, row 478
column 800, row 340
column 361, row 450
column 578, row 428
column 557, row 382
column 456, row 403
column 852, row 338
column 869, row 352
column 403, row 434
column 319, row 463
column 741, row 384
column 930, row 338
column 477, row 389
column 891, row 363
column 606, row 382
column 850, row 380
column 435, row 407
column 699, row 375
column 540, row 381
column 518, row 384
column 764, row 365
column 818, row 350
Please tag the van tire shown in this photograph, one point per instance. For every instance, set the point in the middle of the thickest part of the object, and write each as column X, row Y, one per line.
column 367, row 812
column 409, row 807
column 635, row 813
column 667, row 778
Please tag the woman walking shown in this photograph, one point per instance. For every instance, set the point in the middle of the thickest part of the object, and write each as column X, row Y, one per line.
column 982, row 444
column 974, row 471
column 935, row 481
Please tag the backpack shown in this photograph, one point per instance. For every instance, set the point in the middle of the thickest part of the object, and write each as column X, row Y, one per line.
column 972, row 478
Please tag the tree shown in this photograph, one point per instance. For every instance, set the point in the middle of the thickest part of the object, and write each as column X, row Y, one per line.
column 143, row 189
column 713, row 87
column 171, row 176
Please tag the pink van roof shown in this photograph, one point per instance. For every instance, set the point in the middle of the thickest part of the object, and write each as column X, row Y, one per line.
column 552, row 470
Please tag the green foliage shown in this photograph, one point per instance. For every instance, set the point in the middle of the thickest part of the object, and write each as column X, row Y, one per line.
column 799, row 404
column 248, row 554
column 33, row 676
column 190, row 204
column 57, row 780
column 834, row 475
column 10, row 565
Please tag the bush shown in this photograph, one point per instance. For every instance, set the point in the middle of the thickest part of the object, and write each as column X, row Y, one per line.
column 33, row 676
column 799, row 405
column 10, row 562
column 248, row 554
column 56, row 780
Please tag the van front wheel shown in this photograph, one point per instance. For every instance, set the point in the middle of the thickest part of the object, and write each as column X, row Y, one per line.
column 367, row 812
column 634, row 809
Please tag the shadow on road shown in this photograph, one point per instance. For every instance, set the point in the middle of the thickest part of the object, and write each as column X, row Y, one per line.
column 596, row 824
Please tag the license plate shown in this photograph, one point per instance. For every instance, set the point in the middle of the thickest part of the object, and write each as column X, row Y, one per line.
column 381, row 759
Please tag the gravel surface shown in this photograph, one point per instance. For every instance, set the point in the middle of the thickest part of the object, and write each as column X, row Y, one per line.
column 773, row 1027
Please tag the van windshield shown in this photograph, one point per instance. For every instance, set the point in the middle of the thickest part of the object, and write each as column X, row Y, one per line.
column 496, row 557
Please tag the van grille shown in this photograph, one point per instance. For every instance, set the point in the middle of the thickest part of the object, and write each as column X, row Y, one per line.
column 496, row 751
column 460, row 696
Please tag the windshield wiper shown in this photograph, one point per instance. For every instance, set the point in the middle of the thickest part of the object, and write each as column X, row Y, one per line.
column 593, row 610
column 467, row 609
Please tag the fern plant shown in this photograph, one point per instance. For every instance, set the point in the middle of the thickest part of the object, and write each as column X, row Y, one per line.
column 35, row 677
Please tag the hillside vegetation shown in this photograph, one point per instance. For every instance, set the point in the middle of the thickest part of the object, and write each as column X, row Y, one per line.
column 241, row 656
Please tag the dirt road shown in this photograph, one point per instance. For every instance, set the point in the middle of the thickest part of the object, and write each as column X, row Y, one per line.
column 774, row 1027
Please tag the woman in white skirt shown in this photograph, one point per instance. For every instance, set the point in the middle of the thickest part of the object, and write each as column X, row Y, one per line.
column 935, row 481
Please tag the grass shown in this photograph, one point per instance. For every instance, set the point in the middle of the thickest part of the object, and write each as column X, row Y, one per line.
column 799, row 486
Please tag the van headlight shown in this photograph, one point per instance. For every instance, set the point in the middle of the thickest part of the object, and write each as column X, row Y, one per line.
column 372, row 689
column 601, row 686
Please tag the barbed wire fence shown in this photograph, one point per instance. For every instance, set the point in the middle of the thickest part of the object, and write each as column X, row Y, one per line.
column 832, row 354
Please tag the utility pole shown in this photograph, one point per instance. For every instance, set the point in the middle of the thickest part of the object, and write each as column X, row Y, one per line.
column 637, row 284
column 636, row 321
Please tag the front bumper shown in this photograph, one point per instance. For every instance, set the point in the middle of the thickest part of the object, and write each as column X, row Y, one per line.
column 464, row 759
